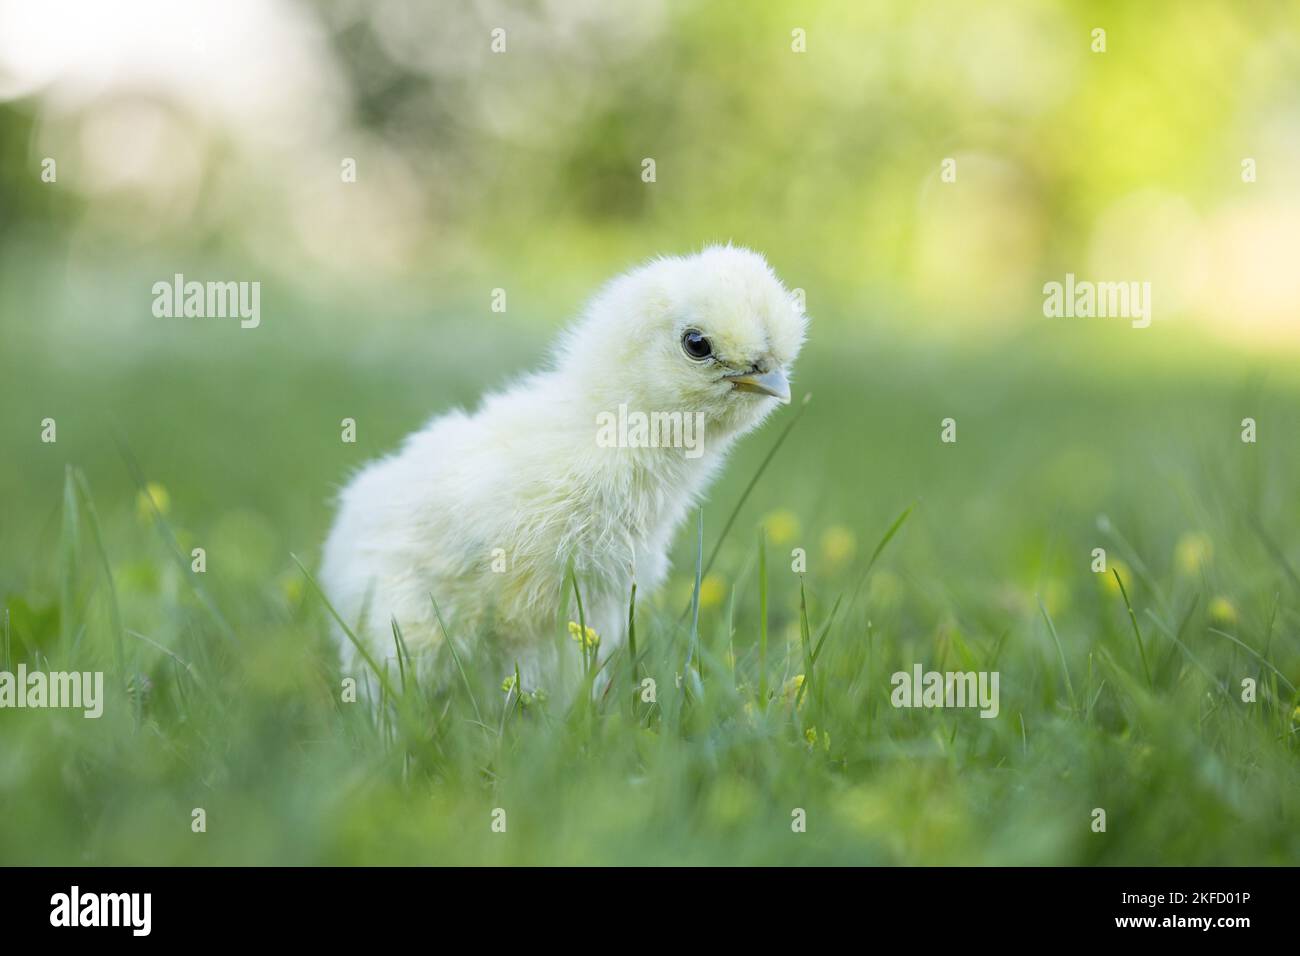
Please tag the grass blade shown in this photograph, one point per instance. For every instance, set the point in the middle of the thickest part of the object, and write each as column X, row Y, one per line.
column 1255, row 654
column 884, row 541
column 826, row 629
column 744, row 495
column 69, row 546
column 400, row 646
column 762, row 618
column 455, row 655
column 582, row 622
column 169, row 538
column 115, row 610
column 695, row 596
column 631, row 640
column 1137, row 631
column 361, row 649
column 1060, row 650
column 805, row 641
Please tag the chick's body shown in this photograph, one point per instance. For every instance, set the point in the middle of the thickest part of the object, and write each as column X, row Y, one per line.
column 485, row 511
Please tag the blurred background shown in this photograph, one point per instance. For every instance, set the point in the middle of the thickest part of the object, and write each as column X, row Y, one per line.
column 214, row 133
column 145, row 138
column 212, row 139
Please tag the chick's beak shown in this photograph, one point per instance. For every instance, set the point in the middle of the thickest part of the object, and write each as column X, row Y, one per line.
column 772, row 383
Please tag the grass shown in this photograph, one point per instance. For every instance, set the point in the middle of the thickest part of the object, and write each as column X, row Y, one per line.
column 1120, row 690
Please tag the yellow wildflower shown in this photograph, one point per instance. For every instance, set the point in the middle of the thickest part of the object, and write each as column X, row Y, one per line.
column 536, row 697
column 155, row 493
column 810, row 735
column 1193, row 552
column 790, row 690
column 1108, row 582
column 780, row 526
column 838, row 544
column 1222, row 612
column 576, row 632
column 712, row 588
column 291, row 586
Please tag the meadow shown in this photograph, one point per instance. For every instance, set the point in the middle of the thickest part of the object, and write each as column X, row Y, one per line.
column 223, row 690
column 1100, row 533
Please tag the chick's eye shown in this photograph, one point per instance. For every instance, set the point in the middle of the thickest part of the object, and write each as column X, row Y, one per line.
column 696, row 345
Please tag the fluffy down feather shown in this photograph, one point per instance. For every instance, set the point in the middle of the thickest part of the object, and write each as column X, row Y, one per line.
column 526, row 474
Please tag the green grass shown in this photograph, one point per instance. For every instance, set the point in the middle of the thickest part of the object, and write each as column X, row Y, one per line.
column 1119, row 690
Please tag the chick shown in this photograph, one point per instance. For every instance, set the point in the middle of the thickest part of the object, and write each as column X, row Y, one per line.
column 485, row 512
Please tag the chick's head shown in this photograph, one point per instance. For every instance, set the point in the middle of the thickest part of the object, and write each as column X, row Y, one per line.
column 714, row 333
